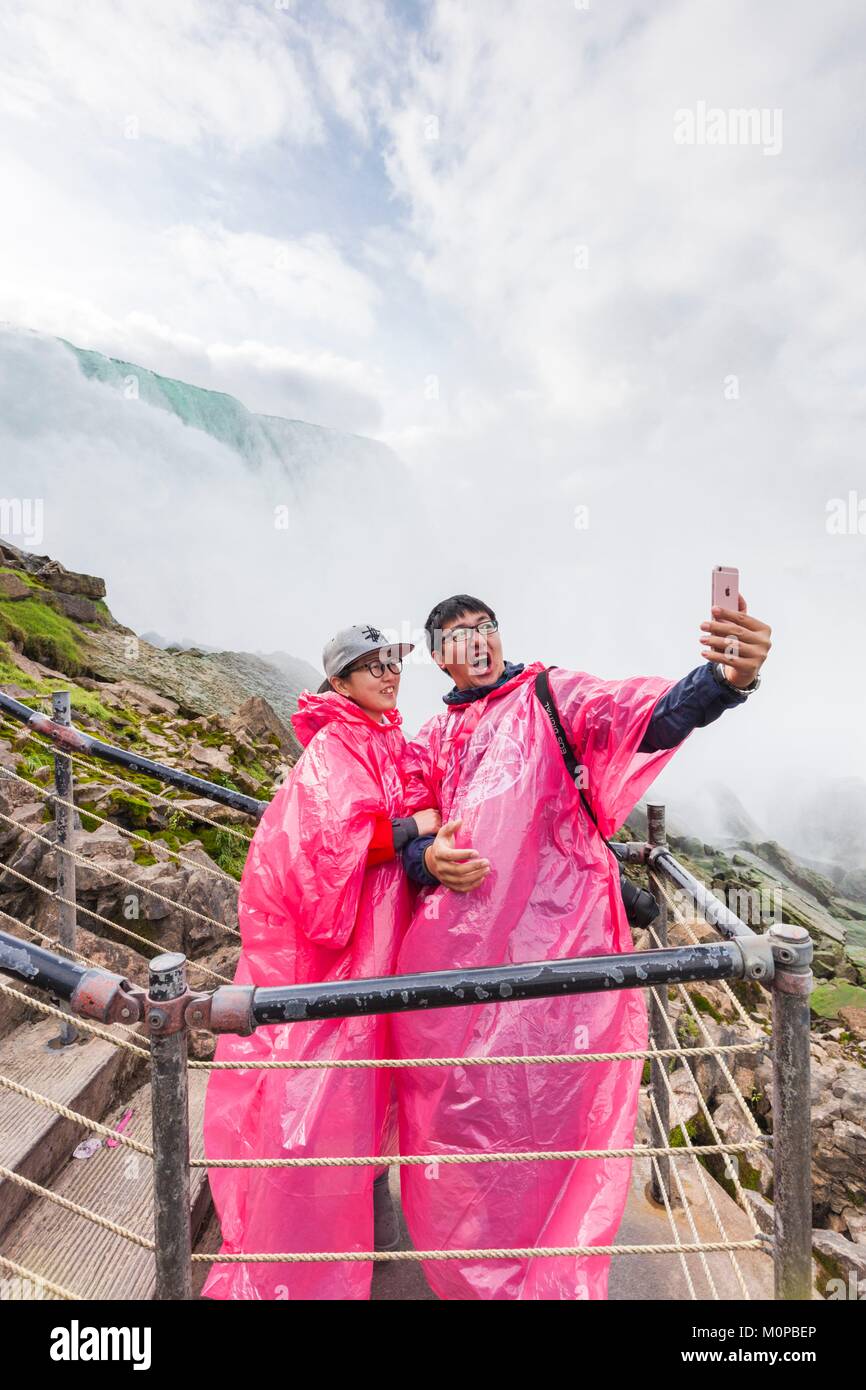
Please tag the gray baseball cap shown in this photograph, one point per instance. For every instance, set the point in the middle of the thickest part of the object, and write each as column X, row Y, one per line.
column 350, row 643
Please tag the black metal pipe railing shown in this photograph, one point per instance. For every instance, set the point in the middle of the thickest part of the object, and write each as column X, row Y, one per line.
column 72, row 740
column 35, row 966
column 444, row 989
column 387, row 994
column 711, row 908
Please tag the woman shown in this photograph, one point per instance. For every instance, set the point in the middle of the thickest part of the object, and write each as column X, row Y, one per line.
column 323, row 897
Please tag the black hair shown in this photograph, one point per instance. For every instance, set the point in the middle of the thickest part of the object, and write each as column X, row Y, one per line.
column 326, row 688
column 451, row 608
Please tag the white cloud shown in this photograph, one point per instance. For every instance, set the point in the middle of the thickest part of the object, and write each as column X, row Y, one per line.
column 307, row 276
column 185, row 71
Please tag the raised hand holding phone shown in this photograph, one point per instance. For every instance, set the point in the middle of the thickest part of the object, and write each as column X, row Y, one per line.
column 735, row 639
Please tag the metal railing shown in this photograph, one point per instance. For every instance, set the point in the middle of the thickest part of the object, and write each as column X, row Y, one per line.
column 165, row 1011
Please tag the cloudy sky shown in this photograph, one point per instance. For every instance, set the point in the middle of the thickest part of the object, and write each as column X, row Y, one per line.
column 613, row 331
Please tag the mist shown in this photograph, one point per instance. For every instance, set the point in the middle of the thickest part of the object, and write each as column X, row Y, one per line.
column 584, row 569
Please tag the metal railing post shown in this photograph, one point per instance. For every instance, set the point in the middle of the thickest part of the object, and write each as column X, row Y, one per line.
column 792, row 1118
column 64, row 822
column 660, row 1119
column 170, row 1097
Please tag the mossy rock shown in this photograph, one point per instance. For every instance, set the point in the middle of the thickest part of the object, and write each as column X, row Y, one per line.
column 225, row 850
column 829, row 1269
column 42, row 633
column 832, row 995
column 131, row 810
column 749, row 993
column 89, row 822
column 703, row 1006
column 687, row 1031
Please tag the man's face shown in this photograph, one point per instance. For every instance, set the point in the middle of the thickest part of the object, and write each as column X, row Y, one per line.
column 470, row 657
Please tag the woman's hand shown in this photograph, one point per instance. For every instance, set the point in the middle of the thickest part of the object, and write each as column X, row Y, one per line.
column 428, row 822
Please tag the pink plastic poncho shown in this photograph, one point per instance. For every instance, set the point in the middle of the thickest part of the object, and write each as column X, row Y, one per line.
column 552, row 892
column 310, row 909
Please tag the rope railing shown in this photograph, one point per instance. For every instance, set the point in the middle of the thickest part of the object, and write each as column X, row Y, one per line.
column 99, row 770
column 171, row 855
column 785, row 955
column 121, row 878
column 105, row 921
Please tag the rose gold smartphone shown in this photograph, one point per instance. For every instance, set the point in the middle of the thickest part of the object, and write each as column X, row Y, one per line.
column 726, row 587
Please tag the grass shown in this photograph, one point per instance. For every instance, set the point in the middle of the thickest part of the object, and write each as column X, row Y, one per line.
column 43, row 634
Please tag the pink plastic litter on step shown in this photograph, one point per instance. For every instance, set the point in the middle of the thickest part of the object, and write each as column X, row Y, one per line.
column 119, row 1128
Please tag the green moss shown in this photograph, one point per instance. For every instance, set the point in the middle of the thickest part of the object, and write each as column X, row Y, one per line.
column 43, row 634
column 750, row 1178
column 131, row 810
column 225, row 850
column 829, row 1269
column 832, row 995
column 693, row 1127
column 646, row 1073
column 703, row 1006
column 749, row 993
column 26, row 578
column 88, row 822
column 143, row 856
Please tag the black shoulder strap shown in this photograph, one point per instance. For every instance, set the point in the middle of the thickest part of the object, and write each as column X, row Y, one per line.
column 545, row 695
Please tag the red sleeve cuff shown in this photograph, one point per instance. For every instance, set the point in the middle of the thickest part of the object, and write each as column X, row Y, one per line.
column 381, row 846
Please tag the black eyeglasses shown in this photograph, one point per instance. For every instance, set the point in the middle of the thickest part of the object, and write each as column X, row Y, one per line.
column 460, row 635
column 377, row 668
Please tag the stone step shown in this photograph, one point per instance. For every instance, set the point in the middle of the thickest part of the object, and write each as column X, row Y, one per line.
column 86, row 1076
column 118, row 1184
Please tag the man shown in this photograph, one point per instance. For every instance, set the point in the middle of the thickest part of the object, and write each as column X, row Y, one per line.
column 541, row 884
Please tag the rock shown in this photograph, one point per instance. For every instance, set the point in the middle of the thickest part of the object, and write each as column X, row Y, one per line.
column 202, row 1045
column 11, row 587
column 705, row 994
column 245, row 782
column 685, row 1098
column 855, row 1221
column 227, row 815
column 132, row 693
column 849, row 1085
column 65, row 581
column 755, row 1168
column 762, row 1211
column 841, row 1255
column 210, row 757
column 642, row 1132
column 257, row 719
column 75, row 606
column 90, row 791
column 829, row 997
column 854, row 1018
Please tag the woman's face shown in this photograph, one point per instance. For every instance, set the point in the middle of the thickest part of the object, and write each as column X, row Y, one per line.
column 374, row 694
